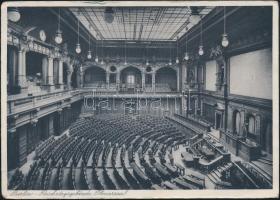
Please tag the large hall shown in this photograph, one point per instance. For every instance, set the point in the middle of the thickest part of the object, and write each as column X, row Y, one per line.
column 121, row 97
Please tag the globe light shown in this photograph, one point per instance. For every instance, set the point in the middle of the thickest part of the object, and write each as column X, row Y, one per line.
column 13, row 14
column 58, row 37
column 96, row 59
column 89, row 55
column 78, row 48
column 200, row 51
column 194, row 19
column 102, row 62
column 147, row 62
column 225, row 41
column 109, row 15
column 125, row 63
column 170, row 63
column 177, row 60
column 186, row 56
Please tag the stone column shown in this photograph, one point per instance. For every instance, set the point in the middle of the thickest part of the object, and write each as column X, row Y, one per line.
column 81, row 77
column 195, row 105
column 195, row 76
column 184, row 73
column 178, row 79
column 201, row 107
column 69, row 74
column 186, row 76
column 21, row 75
column 60, row 73
column 183, row 105
column 143, row 80
column 154, row 81
column 258, row 127
column 50, row 74
column 243, row 131
column 118, row 80
column 107, row 80
column 44, row 71
column 58, row 123
column 13, row 61
column 78, row 79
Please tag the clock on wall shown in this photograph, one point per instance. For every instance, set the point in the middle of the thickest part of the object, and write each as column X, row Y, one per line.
column 42, row 35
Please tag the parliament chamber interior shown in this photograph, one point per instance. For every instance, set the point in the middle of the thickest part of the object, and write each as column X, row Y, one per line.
column 133, row 98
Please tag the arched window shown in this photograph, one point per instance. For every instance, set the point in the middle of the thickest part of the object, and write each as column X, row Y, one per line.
column 251, row 127
column 131, row 79
column 237, row 122
column 251, row 124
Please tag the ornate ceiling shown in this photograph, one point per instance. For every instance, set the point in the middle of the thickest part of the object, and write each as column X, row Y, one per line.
column 138, row 23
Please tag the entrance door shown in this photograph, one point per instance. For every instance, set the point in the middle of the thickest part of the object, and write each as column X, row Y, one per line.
column 218, row 121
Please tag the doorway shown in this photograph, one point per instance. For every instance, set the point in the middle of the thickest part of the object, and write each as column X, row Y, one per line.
column 218, row 121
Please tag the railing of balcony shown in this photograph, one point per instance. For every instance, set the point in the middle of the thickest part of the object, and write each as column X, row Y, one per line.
column 17, row 104
column 20, row 103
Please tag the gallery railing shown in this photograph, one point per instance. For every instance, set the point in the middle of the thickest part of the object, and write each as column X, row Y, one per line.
column 19, row 103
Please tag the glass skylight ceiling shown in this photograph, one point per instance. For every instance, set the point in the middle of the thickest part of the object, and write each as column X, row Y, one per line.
column 138, row 23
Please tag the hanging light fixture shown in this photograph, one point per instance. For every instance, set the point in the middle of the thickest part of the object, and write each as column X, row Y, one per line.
column 89, row 51
column 225, row 41
column 78, row 46
column 13, row 14
column 109, row 15
column 96, row 57
column 102, row 61
column 186, row 53
column 200, row 49
column 177, row 58
column 194, row 17
column 58, row 35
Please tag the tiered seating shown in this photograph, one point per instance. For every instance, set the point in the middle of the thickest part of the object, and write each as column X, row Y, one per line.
column 140, row 175
column 43, row 145
column 16, row 180
column 86, row 158
column 105, row 154
column 114, row 155
column 78, row 154
column 153, row 175
column 96, row 183
column 165, row 175
column 47, row 178
column 44, row 174
column 109, row 183
column 32, row 175
column 96, row 153
column 183, row 184
column 194, row 180
column 72, row 174
column 60, row 177
column 89, row 150
column 46, row 152
column 121, row 182
column 132, row 181
column 84, row 183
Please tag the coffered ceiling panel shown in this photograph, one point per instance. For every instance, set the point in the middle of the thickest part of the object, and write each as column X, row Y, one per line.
column 137, row 23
